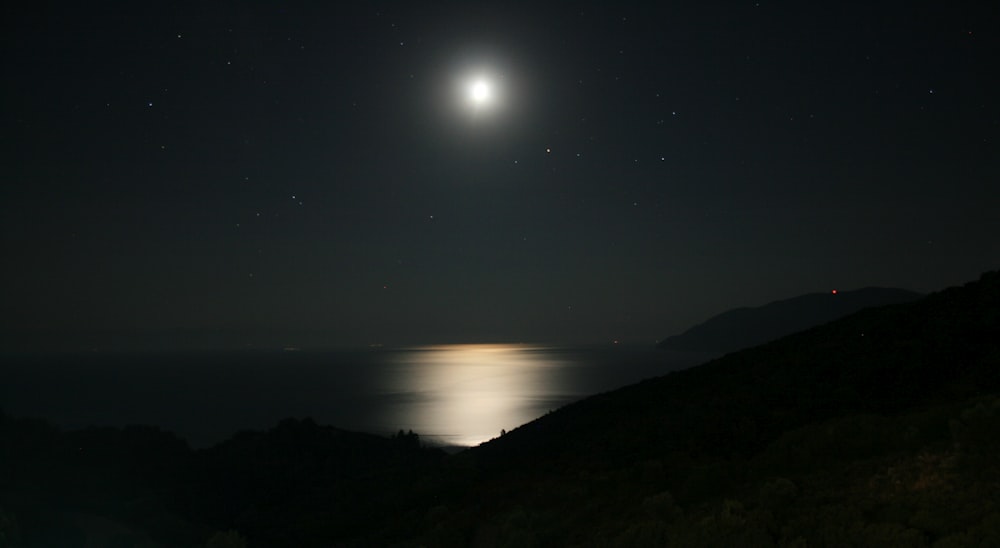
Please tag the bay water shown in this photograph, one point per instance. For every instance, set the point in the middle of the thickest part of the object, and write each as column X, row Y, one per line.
column 459, row 395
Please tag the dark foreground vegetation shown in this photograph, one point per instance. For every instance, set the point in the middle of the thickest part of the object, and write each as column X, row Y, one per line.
column 879, row 429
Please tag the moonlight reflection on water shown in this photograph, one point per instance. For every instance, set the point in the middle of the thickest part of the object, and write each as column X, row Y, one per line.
column 455, row 394
column 476, row 389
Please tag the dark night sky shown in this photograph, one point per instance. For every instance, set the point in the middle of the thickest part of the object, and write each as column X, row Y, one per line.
column 306, row 173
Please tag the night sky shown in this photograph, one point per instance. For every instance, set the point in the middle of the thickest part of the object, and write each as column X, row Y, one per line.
column 292, row 173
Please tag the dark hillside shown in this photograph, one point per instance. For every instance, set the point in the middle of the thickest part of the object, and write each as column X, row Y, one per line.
column 944, row 347
column 843, row 434
column 297, row 484
column 876, row 429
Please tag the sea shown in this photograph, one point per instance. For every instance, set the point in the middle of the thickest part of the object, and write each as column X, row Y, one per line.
column 452, row 395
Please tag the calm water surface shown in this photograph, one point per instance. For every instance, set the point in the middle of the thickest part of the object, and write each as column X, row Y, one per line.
column 454, row 394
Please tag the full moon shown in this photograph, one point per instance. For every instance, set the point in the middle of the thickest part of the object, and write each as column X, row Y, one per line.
column 480, row 92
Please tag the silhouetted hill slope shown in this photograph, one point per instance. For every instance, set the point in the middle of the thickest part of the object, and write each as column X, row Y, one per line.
column 301, row 482
column 876, row 429
column 297, row 484
column 746, row 327
column 870, row 429
column 943, row 347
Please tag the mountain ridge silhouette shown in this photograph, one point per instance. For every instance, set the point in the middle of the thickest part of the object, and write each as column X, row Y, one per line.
column 749, row 326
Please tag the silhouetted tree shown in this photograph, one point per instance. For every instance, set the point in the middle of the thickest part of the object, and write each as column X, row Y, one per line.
column 408, row 439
